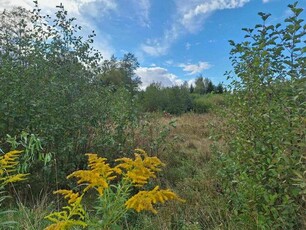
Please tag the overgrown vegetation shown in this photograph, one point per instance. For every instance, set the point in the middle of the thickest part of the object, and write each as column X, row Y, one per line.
column 181, row 99
column 263, row 170
column 54, row 85
column 236, row 157
column 114, row 200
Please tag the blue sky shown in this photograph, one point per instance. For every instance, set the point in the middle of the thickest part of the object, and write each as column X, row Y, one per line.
column 174, row 40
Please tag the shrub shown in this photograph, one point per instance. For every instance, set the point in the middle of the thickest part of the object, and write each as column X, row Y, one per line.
column 207, row 102
column 261, row 171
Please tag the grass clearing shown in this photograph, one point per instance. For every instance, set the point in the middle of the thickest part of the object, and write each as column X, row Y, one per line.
column 189, row 172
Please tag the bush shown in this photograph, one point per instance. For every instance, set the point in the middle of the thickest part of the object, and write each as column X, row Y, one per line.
column 208, row 102
column 262, row 170
column 175, row 100
column 53, row 85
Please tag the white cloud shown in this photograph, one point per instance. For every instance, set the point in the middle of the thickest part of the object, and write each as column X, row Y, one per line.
column 160, row 46
column 190, row 17
column 169, row 62
column 78, row 9
column 154, row 48
column 195, row 68
column 194, row 12
column 104, row 46
column 74, row 7
column 142, row 11
column 149, row 75
column 266, row 1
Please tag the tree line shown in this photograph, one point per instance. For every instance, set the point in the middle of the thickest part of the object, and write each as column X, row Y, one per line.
column 201, row 97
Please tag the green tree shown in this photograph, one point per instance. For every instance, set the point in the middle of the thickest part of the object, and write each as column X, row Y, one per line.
column 51, row 86
column 263, row 172
column 191, row 89
column 199, row 85
column 154, row 98
column 219, row 88
column 120, row 73
column 209, row 86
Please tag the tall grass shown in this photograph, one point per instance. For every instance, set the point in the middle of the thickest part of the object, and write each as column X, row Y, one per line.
column 189, row 171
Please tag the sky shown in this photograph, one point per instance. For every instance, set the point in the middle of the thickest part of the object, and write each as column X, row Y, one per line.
column 173, row 40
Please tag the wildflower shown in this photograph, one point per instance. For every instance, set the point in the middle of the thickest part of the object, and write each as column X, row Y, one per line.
column 71, row 215
column 68, row 194
column 97, row 177
column 140, row 170
column 14, row 178
column 8, row 163
column 98, row 164
column 9, row 160
column 144, row 200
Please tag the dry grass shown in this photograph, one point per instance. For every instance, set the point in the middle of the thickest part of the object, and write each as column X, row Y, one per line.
column 189, row 172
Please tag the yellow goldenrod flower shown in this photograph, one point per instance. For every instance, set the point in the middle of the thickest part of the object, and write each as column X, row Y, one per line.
column 140, row 170
column 62, row 225
column 99, row 165
column 72, row 215
column 14, row 178
column 97, row 177
column 9, row 160
column 144, row 200
column 8, row 166
column 93, row 180
column 68, row 194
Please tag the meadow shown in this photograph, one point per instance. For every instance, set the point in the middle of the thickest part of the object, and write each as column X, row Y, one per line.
column 83, row 148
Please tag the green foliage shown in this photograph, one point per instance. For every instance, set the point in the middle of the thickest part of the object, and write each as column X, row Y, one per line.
column 174, row 100
column 208, row 102
column 118, row 74
column 33, row 151
column 205, row 86
column 54, row 85
column 263, row 170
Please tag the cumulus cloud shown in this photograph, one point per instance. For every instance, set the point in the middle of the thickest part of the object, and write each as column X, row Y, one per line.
column 194, row 13
column 190, row 17
column 266, row 1
column 149, row 75
column 195, row 68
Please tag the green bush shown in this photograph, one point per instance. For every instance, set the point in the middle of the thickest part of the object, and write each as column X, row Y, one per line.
column 54, row 85
column 207, row 102
column 175, row 100
column 262, row 172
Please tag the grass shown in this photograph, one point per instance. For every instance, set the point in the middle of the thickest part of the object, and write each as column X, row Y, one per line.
column 186, row 150
column 30, row 216
column 190, row 173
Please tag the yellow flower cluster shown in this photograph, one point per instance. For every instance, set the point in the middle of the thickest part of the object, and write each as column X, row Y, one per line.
column 134, row 172
column 68, row 194
column 8, row 163
column 72, row 215
column 140, row 170
column 98, row 176
column 144, row 200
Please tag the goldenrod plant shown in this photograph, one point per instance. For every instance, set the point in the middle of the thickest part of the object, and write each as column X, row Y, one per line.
column 71, row 215
column 115, row 187
column 8, row 174
column 8, row 168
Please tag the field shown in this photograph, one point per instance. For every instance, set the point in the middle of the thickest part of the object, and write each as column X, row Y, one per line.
column 186, row 151
column 83, row 146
